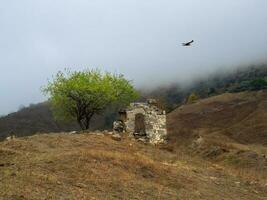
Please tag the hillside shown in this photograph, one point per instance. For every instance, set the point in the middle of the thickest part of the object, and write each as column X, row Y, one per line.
column 38, row 118
column 229, row 129
column 239, row 117
column 93, row 166
column 246, row 78
column 28, row 121
column 216, row 150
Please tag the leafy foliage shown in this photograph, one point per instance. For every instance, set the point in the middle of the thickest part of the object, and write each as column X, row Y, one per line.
column 192, row 98
column 80, row 95
column 258, row 84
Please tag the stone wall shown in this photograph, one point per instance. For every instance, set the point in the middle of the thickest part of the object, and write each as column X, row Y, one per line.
column 154, row 122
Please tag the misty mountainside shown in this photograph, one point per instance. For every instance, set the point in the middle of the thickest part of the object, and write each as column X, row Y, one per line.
column 250, row 78
column 39, row 118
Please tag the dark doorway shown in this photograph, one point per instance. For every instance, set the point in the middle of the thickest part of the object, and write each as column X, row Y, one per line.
column 140, row 127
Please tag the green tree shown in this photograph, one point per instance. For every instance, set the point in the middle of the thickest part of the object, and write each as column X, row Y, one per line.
column 258, row 84
column 193, row 97
column 80, row 95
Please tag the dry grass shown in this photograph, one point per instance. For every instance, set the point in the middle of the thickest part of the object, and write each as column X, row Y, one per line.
column 85, row 166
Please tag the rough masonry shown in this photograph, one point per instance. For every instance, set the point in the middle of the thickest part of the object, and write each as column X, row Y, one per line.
column 144, row 121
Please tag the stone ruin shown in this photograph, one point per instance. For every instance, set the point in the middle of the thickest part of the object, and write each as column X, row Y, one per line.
column 143, row 121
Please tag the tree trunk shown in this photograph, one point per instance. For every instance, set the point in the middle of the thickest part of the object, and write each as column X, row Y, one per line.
column 87, row 120
column 80, row 124
column 84, row 122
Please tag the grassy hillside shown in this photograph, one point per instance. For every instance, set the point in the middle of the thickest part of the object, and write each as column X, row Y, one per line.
column 229, row 129
column 89, row 166
column 241, row 117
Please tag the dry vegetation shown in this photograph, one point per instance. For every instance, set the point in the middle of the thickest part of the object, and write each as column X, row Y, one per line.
column 86, row 166
column 229, row 129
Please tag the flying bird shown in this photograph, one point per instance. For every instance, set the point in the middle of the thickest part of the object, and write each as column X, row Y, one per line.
column 188, row 43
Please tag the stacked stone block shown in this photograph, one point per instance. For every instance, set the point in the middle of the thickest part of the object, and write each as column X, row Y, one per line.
column 154, row 119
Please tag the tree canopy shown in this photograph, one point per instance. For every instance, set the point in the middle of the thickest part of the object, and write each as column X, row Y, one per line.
column 79, row 95
column 192, row 98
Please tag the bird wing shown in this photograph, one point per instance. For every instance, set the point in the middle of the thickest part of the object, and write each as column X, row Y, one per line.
column 188, row 43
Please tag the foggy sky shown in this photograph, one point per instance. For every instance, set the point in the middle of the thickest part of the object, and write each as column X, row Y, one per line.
column 139, row 38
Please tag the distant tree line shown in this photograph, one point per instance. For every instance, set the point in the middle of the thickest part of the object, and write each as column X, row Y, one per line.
column 249, row 78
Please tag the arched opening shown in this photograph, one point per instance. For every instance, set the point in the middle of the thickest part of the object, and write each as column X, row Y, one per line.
column 140, row 128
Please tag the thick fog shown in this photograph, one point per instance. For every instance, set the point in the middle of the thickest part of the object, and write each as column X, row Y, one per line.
column 139, row 38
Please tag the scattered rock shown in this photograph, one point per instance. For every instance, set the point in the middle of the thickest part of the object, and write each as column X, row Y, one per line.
column 98, row 131
column 100, row 134
column 144, row 140
column 237, row 183
column 12, row 137
column 140, row 134
column 116, row 137
column 118, row 126
column 8, row 138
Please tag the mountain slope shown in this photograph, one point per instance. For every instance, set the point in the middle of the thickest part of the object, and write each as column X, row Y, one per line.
column 229, row 129
column 28, row 121
column 239, row 117
column 38, row 118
